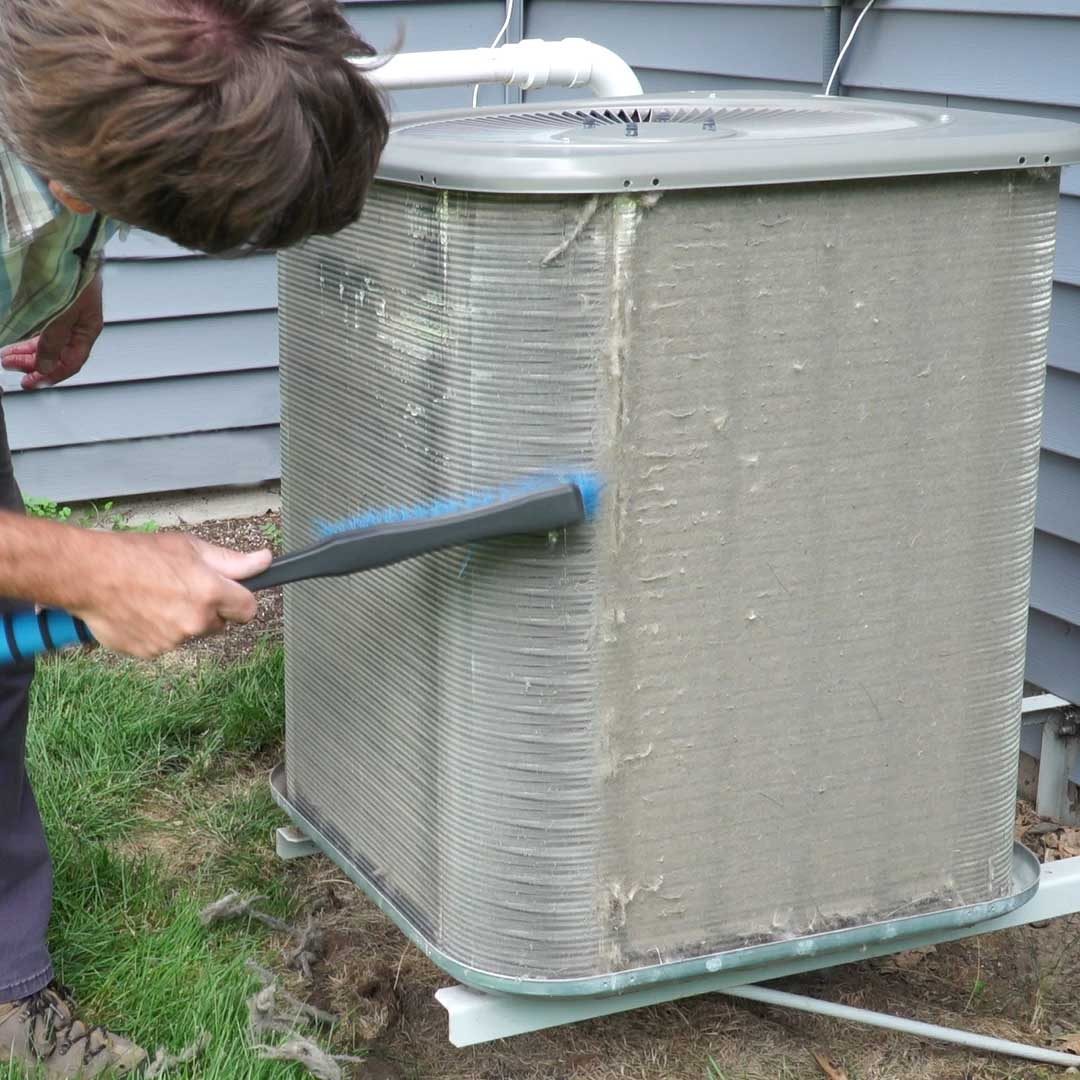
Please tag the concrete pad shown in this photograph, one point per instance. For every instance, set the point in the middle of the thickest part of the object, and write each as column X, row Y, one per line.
column 193, row 507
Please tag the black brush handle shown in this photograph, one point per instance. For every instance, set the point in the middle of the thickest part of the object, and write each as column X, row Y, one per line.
column 381, row 545
column 26, row 634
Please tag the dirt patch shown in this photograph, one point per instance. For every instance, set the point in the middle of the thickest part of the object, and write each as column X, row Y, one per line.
column 168, row 830
column 1021, row 984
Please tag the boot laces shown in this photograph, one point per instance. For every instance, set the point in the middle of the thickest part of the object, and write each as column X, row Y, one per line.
column 54, row 1010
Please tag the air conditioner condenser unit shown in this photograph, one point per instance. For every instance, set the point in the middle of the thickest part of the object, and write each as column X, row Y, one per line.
column 770, row 700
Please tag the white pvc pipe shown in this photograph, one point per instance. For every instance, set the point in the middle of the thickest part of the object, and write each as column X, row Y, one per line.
column 530, row 64
column 985, row 1043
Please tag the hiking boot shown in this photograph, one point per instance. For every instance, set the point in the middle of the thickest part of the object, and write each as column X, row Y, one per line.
column 42, row 1030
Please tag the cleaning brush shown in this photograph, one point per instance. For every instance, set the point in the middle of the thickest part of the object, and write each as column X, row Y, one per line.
column 364, row 542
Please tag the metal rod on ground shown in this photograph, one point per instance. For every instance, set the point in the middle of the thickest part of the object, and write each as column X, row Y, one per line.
column 985, row 1043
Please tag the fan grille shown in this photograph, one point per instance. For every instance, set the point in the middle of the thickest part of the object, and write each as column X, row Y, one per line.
column 661, row 122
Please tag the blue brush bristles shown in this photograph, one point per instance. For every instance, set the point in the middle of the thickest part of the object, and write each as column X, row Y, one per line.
column 588, row 484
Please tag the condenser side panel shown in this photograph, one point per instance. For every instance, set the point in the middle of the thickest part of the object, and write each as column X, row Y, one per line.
column 441, row 712
column 828, row 449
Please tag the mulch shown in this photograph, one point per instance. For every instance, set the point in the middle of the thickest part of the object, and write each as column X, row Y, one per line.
column 242, row 534
column 1047, row 839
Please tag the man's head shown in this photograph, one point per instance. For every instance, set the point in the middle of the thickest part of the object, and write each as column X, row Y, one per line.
column 222, row 124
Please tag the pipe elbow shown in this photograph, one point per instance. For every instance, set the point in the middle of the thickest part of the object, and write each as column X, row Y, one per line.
column 609, row 74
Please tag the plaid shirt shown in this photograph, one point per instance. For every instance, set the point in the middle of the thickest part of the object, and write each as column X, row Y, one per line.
column 48, row 254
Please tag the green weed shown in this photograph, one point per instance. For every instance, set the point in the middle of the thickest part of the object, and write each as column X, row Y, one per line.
column 46, row 508
column 90, row 516
column 274, row 534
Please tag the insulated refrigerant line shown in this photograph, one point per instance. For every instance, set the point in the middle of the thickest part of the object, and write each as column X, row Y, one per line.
column 847, row 45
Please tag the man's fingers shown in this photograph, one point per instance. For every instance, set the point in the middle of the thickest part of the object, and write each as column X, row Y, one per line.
column 216, row 626
column 237, row 604
column 28, row 345
column 57, row 353
column 236, row 565
column 19, row 359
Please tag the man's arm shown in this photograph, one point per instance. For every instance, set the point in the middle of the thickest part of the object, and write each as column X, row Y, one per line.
column 140, row 594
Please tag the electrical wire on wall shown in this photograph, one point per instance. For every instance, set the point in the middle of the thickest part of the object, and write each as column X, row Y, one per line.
column 495, row 44
column 843, row 52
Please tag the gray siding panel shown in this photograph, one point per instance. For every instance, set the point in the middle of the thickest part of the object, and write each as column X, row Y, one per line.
column 1058, row 510
column 747, row 41
column 179, row 287
column 134, row 351
column 909, row 96
column 136, row 244
column 431, row 24
column 659, row 81
column 815, row 4
column 985, row 7
column 1061, row 425
column 977, row 55
column 1065, row 328
column 1067, row 269
column 131, row 467
column 135, row 410
column 1025, row 108
column 1054, row 655
column 211, row 322
column 1055, row 582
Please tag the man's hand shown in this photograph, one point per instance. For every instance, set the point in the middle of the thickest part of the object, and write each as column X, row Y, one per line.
column 62, row 348
column 148, row 594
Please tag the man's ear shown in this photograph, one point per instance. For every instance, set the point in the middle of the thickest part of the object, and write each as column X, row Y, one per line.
column 61, row 194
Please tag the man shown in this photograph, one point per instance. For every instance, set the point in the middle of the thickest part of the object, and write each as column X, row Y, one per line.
column 226, row 125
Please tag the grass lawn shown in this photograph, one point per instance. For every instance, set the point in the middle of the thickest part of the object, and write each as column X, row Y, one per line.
column 105, row 741
column 152, row 783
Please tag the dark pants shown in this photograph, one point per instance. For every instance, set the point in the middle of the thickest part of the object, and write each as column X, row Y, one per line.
column 25, row 869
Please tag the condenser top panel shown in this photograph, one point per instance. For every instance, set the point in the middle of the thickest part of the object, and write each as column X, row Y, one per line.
column 706, row 139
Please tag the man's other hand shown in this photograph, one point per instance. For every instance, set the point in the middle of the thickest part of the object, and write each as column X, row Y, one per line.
column 62, row 348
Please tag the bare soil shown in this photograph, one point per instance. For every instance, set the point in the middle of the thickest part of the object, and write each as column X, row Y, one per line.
column 1021, row 984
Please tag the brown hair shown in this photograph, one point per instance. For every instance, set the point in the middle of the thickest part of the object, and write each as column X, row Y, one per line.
column 222, row 124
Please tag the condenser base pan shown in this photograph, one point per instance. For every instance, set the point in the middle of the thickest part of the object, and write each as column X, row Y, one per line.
column 1025, row 883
